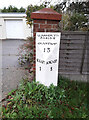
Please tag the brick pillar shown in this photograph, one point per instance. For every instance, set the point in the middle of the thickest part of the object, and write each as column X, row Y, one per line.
column 44, row 20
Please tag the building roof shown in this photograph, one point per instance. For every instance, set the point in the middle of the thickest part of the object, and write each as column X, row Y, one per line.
column 12, row 15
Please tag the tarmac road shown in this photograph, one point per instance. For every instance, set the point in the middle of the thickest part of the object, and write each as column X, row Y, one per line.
column 12, row 72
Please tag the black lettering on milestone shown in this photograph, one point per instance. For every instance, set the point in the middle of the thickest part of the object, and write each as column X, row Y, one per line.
column 51, row 69
column 40, row 68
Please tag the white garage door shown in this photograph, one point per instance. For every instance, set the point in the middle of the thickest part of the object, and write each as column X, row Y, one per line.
column 14, row 29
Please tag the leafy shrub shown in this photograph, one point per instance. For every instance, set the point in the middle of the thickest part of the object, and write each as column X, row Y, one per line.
column 77, row 22
column 26, row 54
column 34, row 100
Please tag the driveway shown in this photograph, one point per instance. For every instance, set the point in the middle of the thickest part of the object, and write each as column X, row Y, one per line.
column 12, row 72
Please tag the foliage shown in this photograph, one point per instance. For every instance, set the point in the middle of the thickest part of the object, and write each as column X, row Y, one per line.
column 76, row 12
column 79, row 7
column 12, row 9
column 22, row 10
column 26, row 54
column 60, row 7
column 74, row 7
column 77, row 22
column 31, row 9
column 65, row 20
column 33, row 100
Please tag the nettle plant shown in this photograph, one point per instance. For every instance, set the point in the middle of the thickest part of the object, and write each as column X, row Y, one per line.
column 26, row 54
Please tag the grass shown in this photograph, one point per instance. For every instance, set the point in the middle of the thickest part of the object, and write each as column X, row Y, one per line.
column 69, row 99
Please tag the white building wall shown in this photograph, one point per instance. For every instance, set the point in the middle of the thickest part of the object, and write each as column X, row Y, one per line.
column 27, row 30
column 3, row 29
column 0, row 28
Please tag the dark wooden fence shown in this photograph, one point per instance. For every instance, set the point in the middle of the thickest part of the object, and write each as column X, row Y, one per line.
column 74, row 53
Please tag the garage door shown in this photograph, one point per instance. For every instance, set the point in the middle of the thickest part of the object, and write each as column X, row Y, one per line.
column 14, row 29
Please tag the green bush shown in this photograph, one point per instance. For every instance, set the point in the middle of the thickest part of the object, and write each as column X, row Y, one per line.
column 77, row 22
column 33, row 100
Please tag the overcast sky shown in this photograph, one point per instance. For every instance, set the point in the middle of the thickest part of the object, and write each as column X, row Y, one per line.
column 25, row 3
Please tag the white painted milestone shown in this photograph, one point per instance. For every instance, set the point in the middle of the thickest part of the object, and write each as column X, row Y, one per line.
column 47, row 57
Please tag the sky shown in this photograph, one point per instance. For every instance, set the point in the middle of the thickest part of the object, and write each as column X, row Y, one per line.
column 25, row 3
column 21, row 3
